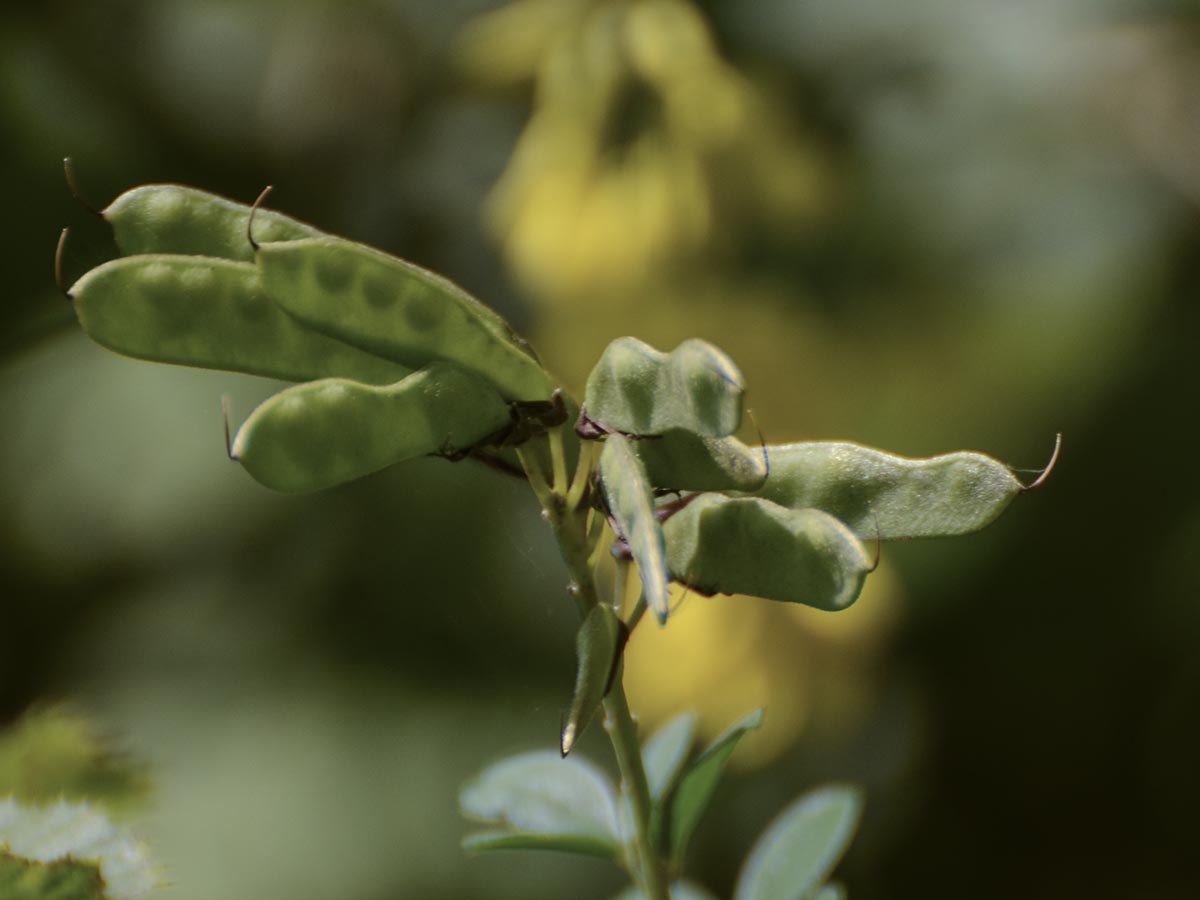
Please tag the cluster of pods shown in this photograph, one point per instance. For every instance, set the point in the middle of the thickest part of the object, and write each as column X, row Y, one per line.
column 394, row 362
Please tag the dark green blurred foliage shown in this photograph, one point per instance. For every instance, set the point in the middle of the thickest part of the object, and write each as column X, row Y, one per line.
column 1004, row 245
column 53, row 754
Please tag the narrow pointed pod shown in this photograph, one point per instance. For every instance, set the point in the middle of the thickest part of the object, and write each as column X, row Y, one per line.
column 212, row 314
column 598, row 646
column 326, row 432
column 397, row 310
column 631, row 503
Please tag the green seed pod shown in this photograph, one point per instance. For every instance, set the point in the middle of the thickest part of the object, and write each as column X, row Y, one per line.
column 685, row 461
column 631, row 502
column 397, row 310
column 880, row 495
column 210, row 313
column 746, row 545
column 598, row 646
column 171, row 218
column 326, row 432
column 635, row 389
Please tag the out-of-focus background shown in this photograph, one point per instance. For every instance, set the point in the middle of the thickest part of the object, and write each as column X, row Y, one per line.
column 927, row 226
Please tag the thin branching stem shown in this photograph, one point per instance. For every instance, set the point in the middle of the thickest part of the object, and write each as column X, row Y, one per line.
column 558, row 461
column 639, row 610
column 537, row 478
column 622, row 732
column 588, row 453
column 577, row 542
column 620, row 586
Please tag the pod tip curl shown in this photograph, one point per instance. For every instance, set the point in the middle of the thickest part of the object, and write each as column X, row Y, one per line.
column 58, row 265
column 566, row 737
column 762, row 442
column 253, row 209
column 73, row 187
column 1049, row 467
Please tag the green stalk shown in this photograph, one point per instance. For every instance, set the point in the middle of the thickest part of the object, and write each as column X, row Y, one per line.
column 569, row 519
column 622, row 732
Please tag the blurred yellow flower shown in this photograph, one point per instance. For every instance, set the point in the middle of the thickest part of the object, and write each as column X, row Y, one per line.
column 723, row 657
column 645, row 149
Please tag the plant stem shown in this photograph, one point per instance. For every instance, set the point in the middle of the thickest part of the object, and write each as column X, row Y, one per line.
column 622, row 732
column 558, row 461
column 570, row 524
column 588, row 454
column 639, row 610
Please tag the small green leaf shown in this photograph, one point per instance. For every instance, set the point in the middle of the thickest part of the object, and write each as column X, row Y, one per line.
column 635, row 389
column 799, row 849
column 881, row 495
column 631, row 502
column 326, row 432
column 598, row 646
column 396, row 310
column 748, row 545
column 680, row 890
column 664, row 755
column 582, row 844
column 699, row 781
column 546, row 801
column 212, row 314
column 665, row 752
column 831, row 891
column 681, row 460
column 67, row 851
column 172, row 218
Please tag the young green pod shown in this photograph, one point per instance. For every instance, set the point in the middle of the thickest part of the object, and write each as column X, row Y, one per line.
column 326, row 432
column 881, row 495
column 631, row 502
column 685, row 461
column 598, row 646
column 213, row 314
column 172, row 218
column 397, row 310
column 747, row 545
column 635, row 389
